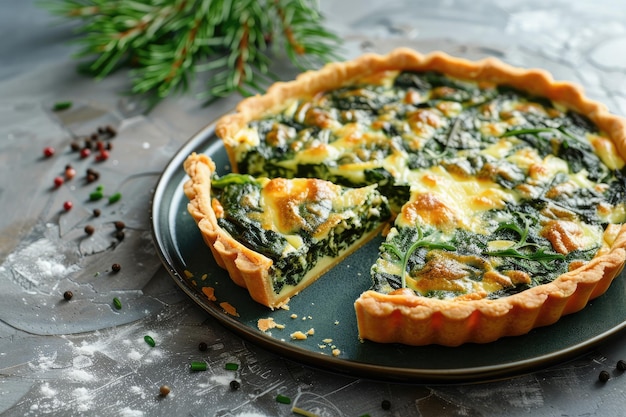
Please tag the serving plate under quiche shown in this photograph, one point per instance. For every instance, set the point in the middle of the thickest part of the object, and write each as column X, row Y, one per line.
column 506, row 190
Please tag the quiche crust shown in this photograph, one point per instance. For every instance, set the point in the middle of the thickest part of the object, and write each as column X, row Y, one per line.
column 401, row 316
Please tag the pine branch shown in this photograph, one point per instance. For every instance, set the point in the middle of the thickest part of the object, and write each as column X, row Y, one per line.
column 168, row 42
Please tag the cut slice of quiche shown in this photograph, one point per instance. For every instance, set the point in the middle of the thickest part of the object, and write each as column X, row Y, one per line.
column 276, row 236
column 508, row 188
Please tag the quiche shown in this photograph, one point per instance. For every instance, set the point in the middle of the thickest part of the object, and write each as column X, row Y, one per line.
column 506, row 190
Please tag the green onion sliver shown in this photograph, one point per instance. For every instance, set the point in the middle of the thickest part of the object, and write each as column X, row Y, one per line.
column 198, row 366
column 283, row 399
column 231, row 366
column 61, row 105
column 149, row 340
column 96, row 195
column 117, row 303
column 115, row 198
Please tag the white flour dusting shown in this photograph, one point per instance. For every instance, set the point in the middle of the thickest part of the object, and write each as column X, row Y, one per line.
column 129, row 412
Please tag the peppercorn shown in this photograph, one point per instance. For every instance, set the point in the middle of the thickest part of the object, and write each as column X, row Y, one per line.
column 234, row 385
column 89, row 229
column 116, row 267
column 58, row 181
column 67, row 206
column 202, row 346
column 385, row 404
column 75, row 146
column 69, row 172
column 164, row 390
column 621, row 365
column 110, row 130
column 96, row 212
column 120, row 225
column 119, row 235
column 68, row 295
column 85, row 152
column 48, row 151
column 604, row 376
column 102, row 156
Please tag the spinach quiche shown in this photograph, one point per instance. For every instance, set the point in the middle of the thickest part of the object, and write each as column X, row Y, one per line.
column 504, row 192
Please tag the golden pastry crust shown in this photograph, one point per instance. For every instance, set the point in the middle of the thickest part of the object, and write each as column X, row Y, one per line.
column 402, row 316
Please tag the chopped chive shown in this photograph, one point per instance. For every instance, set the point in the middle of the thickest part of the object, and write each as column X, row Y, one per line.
column 365, row 415
column 115, row 198
column 231, row 366
column 61, row 105
column 117, row 303
column 96, row 195
column 283, row 399
column 198, row 366
column 149, row 340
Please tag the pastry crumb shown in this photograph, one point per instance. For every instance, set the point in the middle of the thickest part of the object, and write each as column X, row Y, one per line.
column 209, row 292
column 336, row 352
column 298, row 335
column 229, row 309
column 294, row 316
column 188, row 274
column 311, row 332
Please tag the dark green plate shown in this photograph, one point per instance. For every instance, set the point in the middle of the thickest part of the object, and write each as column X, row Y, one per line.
column 327, row 306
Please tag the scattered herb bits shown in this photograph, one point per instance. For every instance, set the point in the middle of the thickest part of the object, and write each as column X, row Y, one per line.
column 198, row 366
column 61, row 105
column 604, row 376
column 283, row 399
column 67, row 295
column 305, row 413
column 96, row 195
column 164, row 390
column 234, row 385
column 231, row 366
column 149, row 340
column 117, row 303
column 115, row 198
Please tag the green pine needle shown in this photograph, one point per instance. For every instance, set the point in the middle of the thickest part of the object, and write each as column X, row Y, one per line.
column 168, row 42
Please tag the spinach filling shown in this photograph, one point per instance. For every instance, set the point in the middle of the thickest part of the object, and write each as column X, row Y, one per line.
column 240, row 198
column 458, row 143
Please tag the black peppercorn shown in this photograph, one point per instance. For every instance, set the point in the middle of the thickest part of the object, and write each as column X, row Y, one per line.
column 164, row 390
column 96, row 212
column 234, row 385
column 119, row 225
column 604, row 376
column 202, row 346
column 621, row 365
column 68, row 295
column 116, row 267
column 89, row 229
column 386, row 404
column 119, row 235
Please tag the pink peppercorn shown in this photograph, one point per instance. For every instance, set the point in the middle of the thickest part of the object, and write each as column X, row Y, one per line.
column 67, row 206
column 58, row 181
column 48, row 151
